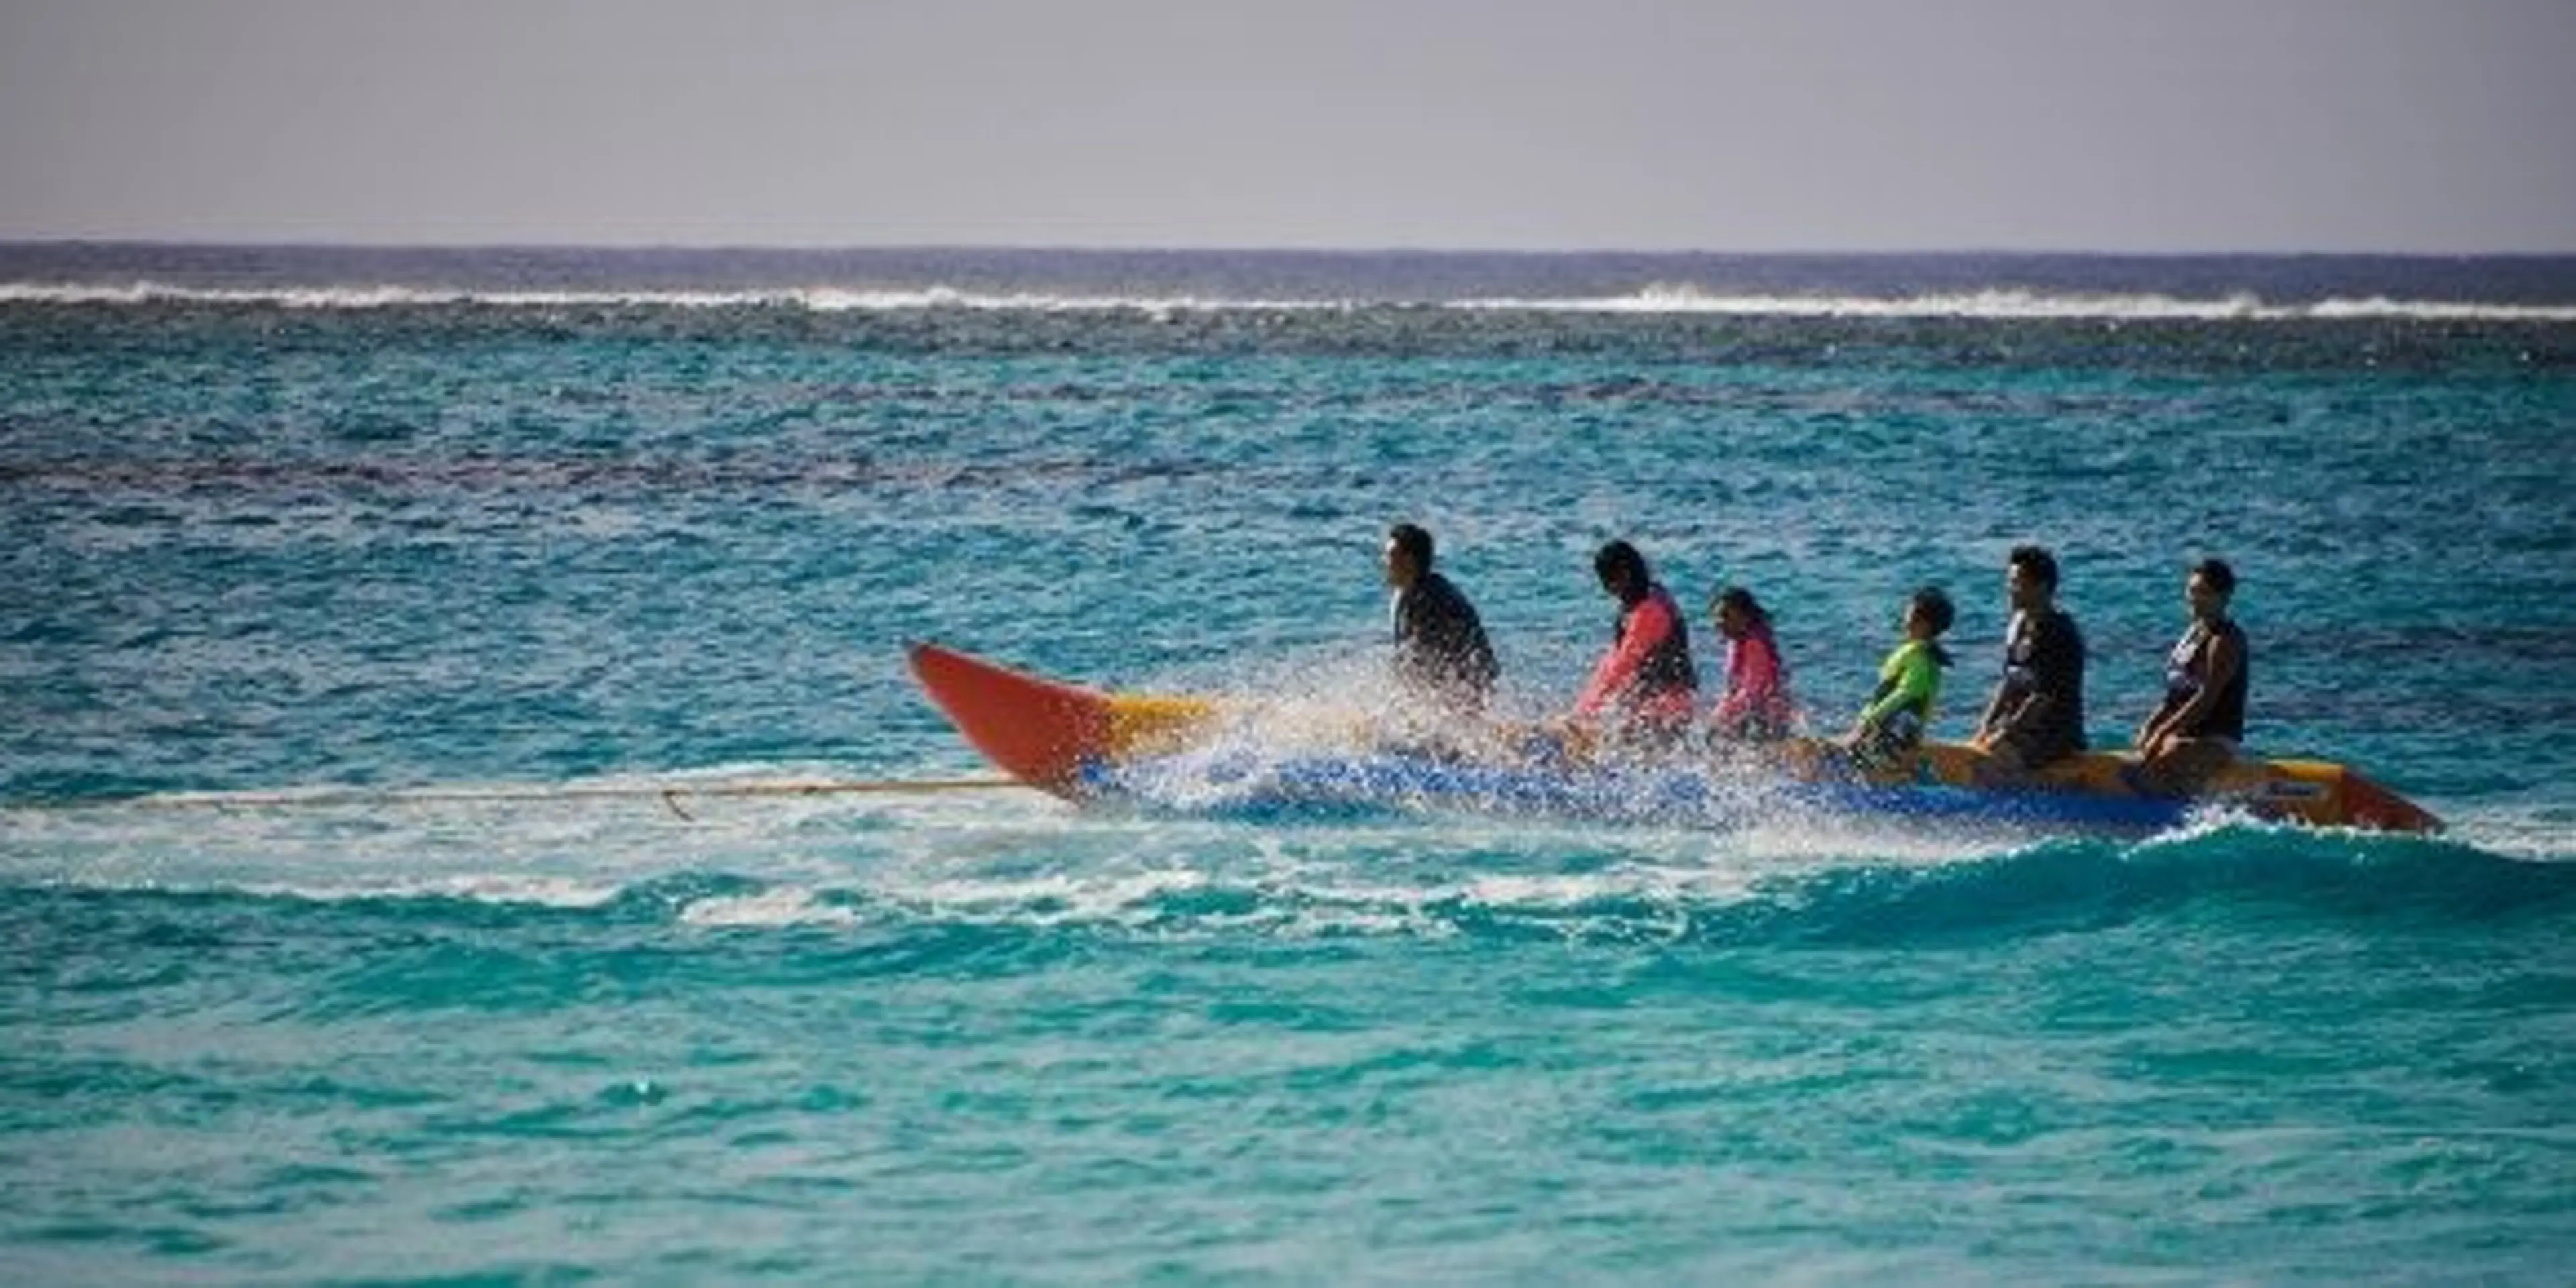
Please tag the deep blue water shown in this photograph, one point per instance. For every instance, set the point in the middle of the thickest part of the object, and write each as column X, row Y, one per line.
column 343, row 591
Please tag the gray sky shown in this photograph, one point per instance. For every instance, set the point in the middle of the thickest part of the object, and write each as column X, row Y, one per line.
column 2160, row 125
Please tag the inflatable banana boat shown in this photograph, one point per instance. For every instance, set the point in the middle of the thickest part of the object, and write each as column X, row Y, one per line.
column 1087, row 744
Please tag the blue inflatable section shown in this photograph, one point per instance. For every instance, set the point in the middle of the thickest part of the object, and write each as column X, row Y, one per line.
column 1249, row 783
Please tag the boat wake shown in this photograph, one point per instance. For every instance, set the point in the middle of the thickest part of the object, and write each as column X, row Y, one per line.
column 1017, row 863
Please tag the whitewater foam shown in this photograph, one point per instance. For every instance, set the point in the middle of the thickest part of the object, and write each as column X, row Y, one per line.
column 775, row 908
column 1657, row 299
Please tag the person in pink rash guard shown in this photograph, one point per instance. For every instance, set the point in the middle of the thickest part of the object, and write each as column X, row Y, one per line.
column 1757, row 706
column 1646, row 683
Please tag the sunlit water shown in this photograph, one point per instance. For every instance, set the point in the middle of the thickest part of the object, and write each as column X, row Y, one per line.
column 360, row 608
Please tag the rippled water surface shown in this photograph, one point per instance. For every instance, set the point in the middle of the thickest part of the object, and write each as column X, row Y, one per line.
column 387, row 640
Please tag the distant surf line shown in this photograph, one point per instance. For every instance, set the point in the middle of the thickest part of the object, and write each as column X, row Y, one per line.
column 2000, row 304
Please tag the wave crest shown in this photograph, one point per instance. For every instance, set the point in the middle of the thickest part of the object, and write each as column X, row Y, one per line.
column 2221, row 870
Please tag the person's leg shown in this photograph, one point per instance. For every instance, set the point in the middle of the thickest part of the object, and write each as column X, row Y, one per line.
column 2186, row 764
column 2001, row 764
column 1886, row 754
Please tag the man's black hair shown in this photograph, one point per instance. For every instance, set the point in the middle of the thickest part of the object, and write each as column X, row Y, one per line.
column 2036, row 561
column 1621, row 558
column 1413, row 541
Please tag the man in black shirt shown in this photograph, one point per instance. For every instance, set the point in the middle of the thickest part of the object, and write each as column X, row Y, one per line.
column 1441, row 654
column 2037, row 714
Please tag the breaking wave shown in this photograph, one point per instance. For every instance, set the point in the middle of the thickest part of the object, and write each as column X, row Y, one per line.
column 1653, row 300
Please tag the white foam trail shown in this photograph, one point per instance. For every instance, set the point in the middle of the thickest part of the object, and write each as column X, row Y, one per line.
column 1660, row 299
column 784, row 906
column 537, row 891
column 1009, row 861
column 1061, row 898
column 2537, row 834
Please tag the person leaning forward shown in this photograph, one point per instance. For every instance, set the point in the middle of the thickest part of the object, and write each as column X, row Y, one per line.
column 1645, row 684
column 1442, row 657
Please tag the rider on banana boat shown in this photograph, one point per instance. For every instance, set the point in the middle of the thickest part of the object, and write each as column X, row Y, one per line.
column 1443, row 662
column 1756, row 706
column 1892, row 726
column 2195, row 732
column 2036, row 716
column 1645, row 687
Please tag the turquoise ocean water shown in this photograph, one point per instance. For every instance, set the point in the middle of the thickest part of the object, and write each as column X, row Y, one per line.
column 289, row 538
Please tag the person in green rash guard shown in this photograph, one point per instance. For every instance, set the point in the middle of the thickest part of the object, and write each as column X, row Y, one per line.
column 1909, row 687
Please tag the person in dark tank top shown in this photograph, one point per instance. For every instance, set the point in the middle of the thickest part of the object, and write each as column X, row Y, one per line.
column 2196, row 730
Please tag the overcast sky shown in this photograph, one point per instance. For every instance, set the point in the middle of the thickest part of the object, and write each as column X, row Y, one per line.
column 2158, row 125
